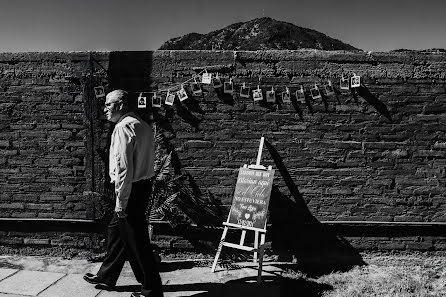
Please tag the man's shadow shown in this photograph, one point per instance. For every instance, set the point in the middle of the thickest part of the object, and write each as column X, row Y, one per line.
column 289, row 287
column 247, row 287
column 297, row 235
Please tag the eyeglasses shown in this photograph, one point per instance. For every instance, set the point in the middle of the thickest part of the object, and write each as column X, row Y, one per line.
column 109, row 104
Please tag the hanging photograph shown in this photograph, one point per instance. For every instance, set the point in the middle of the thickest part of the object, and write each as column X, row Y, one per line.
column 156, row 100
column 99, row 92
column 142, row 101
column 206, row 78
column 300, row 95
column 329, row 88
column 315, row 93
column 228, row 87
column 344, row 83
column 271, row 96
column 286, row 97
column 355, row 81
column 216, row 82
column 170, row 98
column 196, row 89
column 244, row 91
column 182, row 94
column 257, row 94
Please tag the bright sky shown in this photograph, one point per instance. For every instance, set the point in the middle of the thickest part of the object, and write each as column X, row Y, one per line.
column 109, row 25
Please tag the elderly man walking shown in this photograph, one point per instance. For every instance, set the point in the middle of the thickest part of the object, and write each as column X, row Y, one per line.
column 131, row 168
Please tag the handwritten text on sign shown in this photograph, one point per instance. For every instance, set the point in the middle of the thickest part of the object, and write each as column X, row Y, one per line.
column 251, row 198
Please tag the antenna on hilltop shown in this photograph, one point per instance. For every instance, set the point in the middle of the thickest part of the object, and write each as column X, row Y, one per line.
column 263, row 12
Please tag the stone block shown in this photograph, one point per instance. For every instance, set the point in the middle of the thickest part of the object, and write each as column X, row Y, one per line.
column 198, row 144
column 36, row 282
column 51, row 197
column 5, row 143
column 13, row 205
column 36, row 241
column 72, row 285
column 22, row 214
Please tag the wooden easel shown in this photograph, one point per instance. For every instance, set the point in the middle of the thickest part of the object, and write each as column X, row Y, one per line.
column 258, row 248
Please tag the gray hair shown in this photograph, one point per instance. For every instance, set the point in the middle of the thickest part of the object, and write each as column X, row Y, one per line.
column 120, row 95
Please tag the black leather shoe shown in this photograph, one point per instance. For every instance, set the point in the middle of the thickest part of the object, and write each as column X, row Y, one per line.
column 93, row 279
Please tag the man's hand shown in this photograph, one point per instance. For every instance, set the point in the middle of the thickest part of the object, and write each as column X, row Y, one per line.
column 121, row 214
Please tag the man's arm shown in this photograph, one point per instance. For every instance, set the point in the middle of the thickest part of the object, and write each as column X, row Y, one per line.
column 124, row 142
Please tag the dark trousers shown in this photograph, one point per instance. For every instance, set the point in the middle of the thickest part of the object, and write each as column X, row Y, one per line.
column 128, row 239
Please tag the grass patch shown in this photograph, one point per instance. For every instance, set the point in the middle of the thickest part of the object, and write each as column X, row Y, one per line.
column 399, row 275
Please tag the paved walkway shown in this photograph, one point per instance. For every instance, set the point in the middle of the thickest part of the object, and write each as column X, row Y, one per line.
column 55, row 277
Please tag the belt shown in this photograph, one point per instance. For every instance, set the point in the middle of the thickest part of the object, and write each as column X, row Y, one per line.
column 141, row 182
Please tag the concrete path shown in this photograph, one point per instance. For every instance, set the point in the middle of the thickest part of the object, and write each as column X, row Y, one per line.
column 56, row 277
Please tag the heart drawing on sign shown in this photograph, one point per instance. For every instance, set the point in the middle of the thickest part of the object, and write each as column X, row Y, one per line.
column 247, row 215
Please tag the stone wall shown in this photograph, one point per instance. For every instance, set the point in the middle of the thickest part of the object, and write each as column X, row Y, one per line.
column 377, row 153
column 373, row 154
column 43, row 137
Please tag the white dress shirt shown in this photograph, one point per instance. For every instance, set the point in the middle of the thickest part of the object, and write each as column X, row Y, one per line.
column 132, row 154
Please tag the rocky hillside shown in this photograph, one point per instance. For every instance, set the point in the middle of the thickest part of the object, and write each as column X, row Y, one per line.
column 258, row 34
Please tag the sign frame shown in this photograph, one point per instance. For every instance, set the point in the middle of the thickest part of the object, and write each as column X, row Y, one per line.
column 251, row 199
column 259, row 245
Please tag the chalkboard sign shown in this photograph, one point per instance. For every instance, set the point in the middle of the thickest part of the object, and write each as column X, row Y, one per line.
column 251, row 198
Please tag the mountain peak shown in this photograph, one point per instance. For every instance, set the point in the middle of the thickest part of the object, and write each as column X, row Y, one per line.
column 258, row 34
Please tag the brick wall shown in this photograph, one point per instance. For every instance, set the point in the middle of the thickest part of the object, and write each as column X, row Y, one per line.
column 376, row 154
column 347, row 159
column 42, row 137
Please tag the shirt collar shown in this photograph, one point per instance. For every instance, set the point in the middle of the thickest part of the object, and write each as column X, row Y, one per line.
column 130, row 113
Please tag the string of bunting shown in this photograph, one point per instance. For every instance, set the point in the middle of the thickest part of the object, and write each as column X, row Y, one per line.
column 181, row 91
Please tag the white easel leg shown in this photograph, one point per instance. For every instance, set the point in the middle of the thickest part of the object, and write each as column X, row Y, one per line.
column 220, row 246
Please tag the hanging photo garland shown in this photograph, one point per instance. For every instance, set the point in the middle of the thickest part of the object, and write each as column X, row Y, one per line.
column 216, row 82
column 182, row 94
column 99, row 92
column 300, row 95
column 271, row 96
column 245, row 91
column 329, row 88
column 228, row 87
column 315, row 93
column 257, row 94
column 205, row 77
column 170, row 98
column 344, row 83
column 156, row 100
column 142, row 101
column 196, row 88
column 286, row 96
column 355, row 81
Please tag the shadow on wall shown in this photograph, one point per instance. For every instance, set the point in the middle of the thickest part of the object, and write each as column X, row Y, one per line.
column 190, row 112
column 296, row 233
column 129, row 71
column 364, row 92
column 132, row 71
